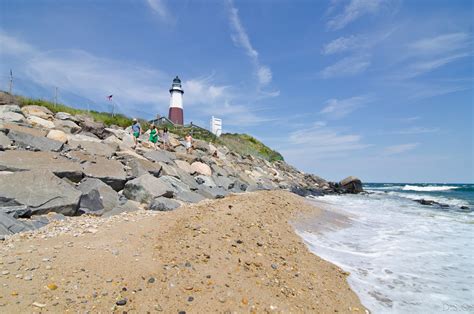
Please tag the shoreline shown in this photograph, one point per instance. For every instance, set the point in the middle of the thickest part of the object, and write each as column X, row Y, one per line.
column 240, row 253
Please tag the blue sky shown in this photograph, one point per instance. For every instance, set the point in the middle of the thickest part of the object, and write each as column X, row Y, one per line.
column 380, row 89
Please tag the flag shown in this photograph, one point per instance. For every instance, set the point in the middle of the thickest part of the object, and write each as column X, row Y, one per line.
column 109, row 97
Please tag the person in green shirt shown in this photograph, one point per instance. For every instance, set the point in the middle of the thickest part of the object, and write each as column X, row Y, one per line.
column 154, row 135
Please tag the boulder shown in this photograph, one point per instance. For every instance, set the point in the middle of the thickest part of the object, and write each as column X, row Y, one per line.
column 159, row 156
column 67, row 126
column 205, row 180
column 7, row 127
column 127, row 207
column 94, row 148
column 189, row 197
column 187, row 179
column 140, row 167
column 40, row 122
column 177, row 184
column 7, row 99
column 201, row 145
column 223, row 182
column 112, row 139
column 212, row 192
column 108, row 170
column 4, row 140
column 184, row 165
column 119, row 133
column 94, row 127
column 352, row 185
column 189, row 158
column 127, row 141
column 97, row 197
column 57, row 135
column 12, row 117
column 147, row 187
column 41, row 191
column 163, row 204
column 10, row 225
column 65, row 116
column 167, row 170
column 15, row 160
column 16, row 211
column 201, row 168
column 41, row 143
column 10, row 108
column 37, row 111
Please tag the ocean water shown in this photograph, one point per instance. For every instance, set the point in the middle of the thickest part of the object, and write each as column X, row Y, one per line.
column 403, row 257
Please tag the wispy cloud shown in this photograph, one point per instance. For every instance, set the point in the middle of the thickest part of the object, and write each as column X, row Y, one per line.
column 349, row 66
column 398, row 149
column 352, row 11
column 341, row 44
column 339, row 108
column 441, row 44
column 241, row 39
column 160, row 8
column 319, row 141
column 416, row 130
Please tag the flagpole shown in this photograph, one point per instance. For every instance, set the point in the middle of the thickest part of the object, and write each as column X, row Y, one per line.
column 11, row 82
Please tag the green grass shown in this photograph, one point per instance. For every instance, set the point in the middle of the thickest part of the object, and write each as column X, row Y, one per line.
column 104, row 117
column 245, row 144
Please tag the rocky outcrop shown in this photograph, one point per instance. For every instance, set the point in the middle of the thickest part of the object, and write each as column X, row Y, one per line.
column 147, row 187
column 352, row 185
column 73, row 165
column 40, row 190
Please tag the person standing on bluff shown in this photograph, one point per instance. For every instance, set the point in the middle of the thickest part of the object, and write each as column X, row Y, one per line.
column 188, row 143
column 154, row 136
column 136, row 131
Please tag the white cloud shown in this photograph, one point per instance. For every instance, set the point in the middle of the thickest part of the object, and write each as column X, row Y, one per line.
column 241, row 39
column 441, row 43
column 352, row 11
column 422, row 67
column 398, row 149
column 160, row 8
column 349, row 66
column 341, row 44
column 320, row 141
column 339, row 108
column 416, row 130
column 9, row 45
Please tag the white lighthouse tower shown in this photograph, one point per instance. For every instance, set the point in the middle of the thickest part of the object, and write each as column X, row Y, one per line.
column 176, row 102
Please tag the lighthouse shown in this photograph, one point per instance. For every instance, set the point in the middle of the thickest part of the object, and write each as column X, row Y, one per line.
column 176, row 102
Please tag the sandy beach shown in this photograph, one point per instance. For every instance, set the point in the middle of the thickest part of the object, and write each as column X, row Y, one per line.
column 237, row 254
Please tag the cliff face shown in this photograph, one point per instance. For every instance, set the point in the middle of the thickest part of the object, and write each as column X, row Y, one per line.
column 72, row 165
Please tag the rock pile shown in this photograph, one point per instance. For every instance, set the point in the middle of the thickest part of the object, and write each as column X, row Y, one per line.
column 73, row 165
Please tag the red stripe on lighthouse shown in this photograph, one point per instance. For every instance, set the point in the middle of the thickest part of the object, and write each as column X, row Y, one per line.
column 176, row 115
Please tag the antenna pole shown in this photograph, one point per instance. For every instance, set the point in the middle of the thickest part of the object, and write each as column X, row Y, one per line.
column 11, row 82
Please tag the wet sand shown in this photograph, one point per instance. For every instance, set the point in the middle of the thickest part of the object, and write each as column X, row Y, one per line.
column 238, row 254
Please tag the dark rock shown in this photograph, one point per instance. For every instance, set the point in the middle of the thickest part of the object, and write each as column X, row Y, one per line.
column 159, row 156
column 163, row 204
column 10, row 225
column 140, row 167
column 426, row 202
column 96, row 128
column 190, row 299
column 189, row 197
column 223, row 182
column 464, row 207
column 147, row 187
column 121, row 302
column 167, row 170
column 352, row 185
column 14, row 160
column 212, row 193
column 151, row 280
column 127, row 207
column 97, row 197
column 25, row 140
column 41, row 191
column 11, row 208
column 108, row 170
column 205, row 180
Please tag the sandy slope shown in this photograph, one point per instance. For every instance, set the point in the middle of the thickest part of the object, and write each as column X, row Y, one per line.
column 237, row 254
